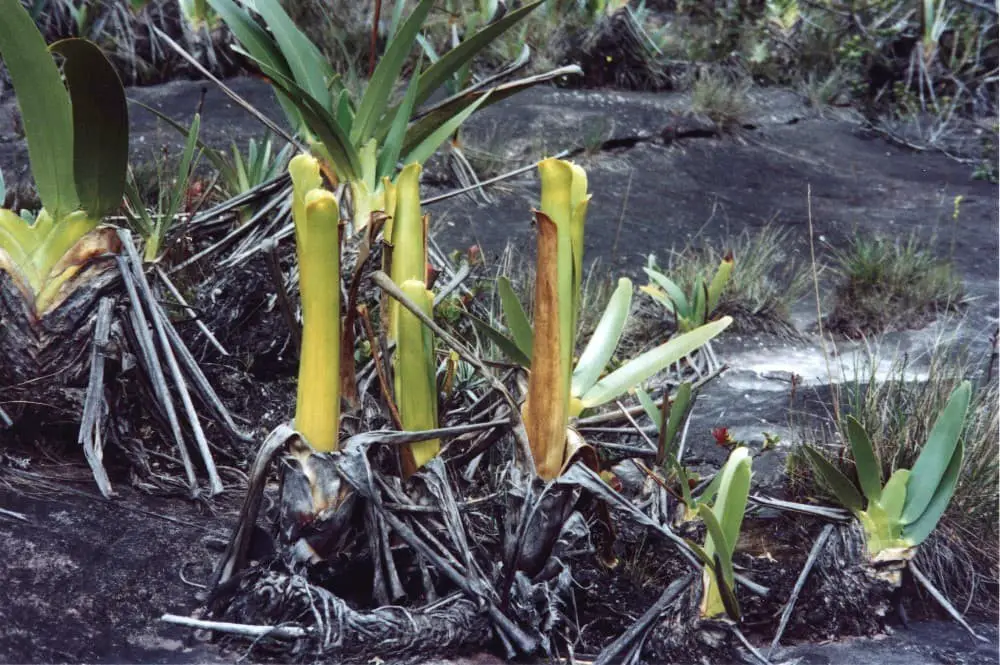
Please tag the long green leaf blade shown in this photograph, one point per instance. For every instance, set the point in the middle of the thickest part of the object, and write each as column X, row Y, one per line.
column 918, row 530
column 843, row 489
column 674, row 292
column 937, row 455
column 261, row 47
column 602, row 344
column 322, row 124
column 423, row 151
column 731, row 502
column 100, row 126
column 393, row 143
column 506, row 345
column 868, row 467
column 461, row 55
column 45, row 108
column 649, row 406
column 435, row 117
column 376, row 98
column 678, row 411
column 646, row 365
column 517, row 319
column 307, row 65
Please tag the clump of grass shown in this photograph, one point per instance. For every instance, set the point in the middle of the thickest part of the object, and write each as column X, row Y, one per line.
column 898, row 412
column 887, row 284
column 767, row 279
column 721, row 98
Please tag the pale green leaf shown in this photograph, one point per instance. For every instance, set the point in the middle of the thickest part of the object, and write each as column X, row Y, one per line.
column 602, row 344
column 918, row 530
column 646, row 365
column 674, row 292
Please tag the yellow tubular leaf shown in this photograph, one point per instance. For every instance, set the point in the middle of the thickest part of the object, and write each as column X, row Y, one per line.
column 304, row 170
column 557, row 204
column 409, row 243
column 317, row 409
column 414, row 379
column 546, row 409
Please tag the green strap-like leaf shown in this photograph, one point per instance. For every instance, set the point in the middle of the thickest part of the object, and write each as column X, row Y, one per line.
column 715, row 541
column 100, row 126
column 45, row 108
column 461, row 55
column 937, row 455
column 393, row 143
column 868, row 467
column 602, row 344
column 322, row 124
column 423, row 151
column 894, row 495
column 261, row 46
column 678, row 412
column 719, row 282
column 376, row 98
column 731, row 501
column 726, row 591
column 843, row 489
column 646, row 365
column 517, row 319
column 435, row 117
column 650, row 407
column 307, row 65
column 504, row 343
column 918, row 530
column 674, row 292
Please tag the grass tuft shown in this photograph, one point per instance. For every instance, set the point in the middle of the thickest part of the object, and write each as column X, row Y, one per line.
column 767, row 279
column 887, row 284
column 721, row 98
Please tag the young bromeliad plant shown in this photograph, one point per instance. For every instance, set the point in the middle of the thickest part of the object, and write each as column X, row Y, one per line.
column 78, row 149
column 694, row 309
column 899, row 515
column 723, row 521
column 360, row 140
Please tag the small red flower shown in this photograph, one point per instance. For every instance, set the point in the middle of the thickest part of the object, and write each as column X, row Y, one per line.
column 723, row 437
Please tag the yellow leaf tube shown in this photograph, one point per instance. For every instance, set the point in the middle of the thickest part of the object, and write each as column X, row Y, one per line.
column 557, row 298
column 414, row 377
column 316, row 216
